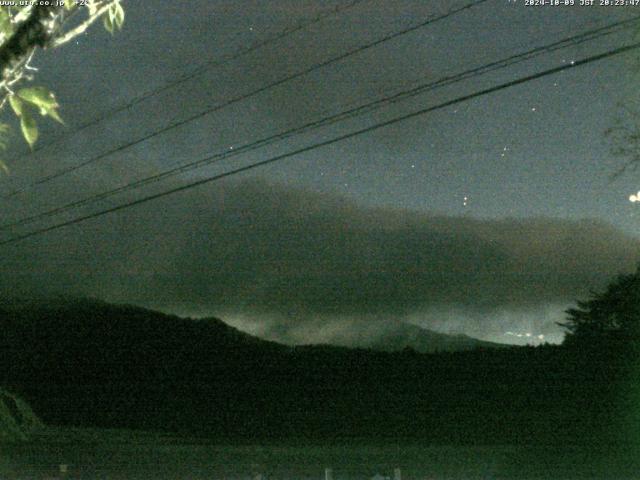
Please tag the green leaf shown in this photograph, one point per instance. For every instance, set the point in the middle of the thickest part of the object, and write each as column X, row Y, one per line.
column 5, row 131
column 53, row 113
column 114, row 18
column 17, row 105
column 29, row 128
column 41, row 97
column 118, row 17
column 108, row 24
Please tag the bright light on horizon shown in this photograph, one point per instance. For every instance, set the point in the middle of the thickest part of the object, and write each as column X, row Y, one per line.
column 528, row 335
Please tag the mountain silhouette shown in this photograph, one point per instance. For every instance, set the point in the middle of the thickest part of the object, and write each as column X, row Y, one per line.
column 87, row 363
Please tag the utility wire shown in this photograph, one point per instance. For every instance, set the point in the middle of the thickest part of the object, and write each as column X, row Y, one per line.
column 199, row 70
column 350, row 113
column 377, row 126
column 306, row 71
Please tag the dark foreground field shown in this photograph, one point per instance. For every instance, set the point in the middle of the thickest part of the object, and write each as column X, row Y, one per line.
column 112, row 455
column 93, row 365
column 552, row 412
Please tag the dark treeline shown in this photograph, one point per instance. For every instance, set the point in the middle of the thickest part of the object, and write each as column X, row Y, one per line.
column 87, row 363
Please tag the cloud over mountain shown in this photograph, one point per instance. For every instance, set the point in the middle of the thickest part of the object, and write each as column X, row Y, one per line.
column 263, row 253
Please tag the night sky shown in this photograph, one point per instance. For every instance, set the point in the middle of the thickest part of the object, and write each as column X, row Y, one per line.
column 489, row 217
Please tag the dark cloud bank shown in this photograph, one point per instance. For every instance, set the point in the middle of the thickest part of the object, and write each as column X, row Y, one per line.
column 302, row 267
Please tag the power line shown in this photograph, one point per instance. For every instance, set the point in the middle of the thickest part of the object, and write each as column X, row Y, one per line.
column 199, row 70
column 464, row 98
column 430, row 20
column 350, row 113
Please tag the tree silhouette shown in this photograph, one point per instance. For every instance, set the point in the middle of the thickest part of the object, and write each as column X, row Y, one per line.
column 608, row 318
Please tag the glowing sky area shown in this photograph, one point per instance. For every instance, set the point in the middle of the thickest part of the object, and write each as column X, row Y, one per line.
column 488, row 217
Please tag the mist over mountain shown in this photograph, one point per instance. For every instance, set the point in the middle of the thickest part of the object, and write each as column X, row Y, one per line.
column 372, row 332
column 398, row 336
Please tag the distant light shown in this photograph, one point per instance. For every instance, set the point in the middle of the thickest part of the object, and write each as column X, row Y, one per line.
column 633, row 198
column 540, row 337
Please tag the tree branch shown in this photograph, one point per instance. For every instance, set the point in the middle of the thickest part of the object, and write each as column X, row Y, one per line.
column 80, row 29
column 22, row 15
column 36, row 31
